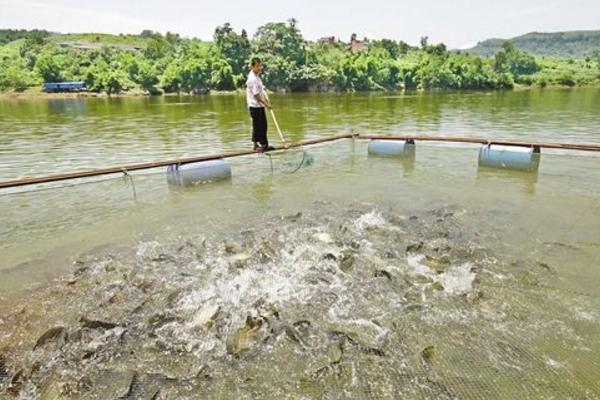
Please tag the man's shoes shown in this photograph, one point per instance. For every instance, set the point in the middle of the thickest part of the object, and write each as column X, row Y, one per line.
column 262, row 148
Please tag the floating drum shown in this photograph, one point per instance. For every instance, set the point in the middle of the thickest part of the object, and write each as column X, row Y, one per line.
column 510, row 157
column 200, row 172
column 393, row 148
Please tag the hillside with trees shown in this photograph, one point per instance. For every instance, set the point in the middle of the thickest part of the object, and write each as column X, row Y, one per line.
column 155, row 63
column 10, row 35
column 573, row 44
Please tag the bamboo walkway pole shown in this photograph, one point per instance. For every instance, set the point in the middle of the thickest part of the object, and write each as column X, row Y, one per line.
column 506, row 142
column 239, row 153
column 155, row 164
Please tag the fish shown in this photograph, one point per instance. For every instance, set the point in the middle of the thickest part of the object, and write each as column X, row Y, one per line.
column 381, row 273
column 346, row 261
column 96, row 324
column 428, row 353
column 241, row 339
column 411, row 248
column 57, row 334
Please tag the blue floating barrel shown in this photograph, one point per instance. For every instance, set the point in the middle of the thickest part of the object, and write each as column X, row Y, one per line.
column 510, row 157
column 395, row 148
column 197, row 173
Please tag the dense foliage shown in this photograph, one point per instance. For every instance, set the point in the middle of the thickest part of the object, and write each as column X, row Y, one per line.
column 155, row 63
column 10, row 35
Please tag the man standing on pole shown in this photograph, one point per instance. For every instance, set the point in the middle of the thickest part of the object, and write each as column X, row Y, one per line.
column 257, row 100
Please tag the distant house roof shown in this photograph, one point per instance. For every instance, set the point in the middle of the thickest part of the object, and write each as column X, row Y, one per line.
column 357, row 46
column 328, row 40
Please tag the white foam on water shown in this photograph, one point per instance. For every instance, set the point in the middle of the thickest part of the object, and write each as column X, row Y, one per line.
column 367, row 247
column 552, row 363
column 323, row 237
column 146, row 248
column 370, row 325
column 458, row 279
column 583, row 315
column 204, row 314
column 236, row 291
column 414, row 261
column 455, row 279
column 369, row 220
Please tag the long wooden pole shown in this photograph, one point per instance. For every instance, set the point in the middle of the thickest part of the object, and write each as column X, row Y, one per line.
column 457, row 139
column 240, row 153
column 277, row 126
column 275, row 119
column 155, row 164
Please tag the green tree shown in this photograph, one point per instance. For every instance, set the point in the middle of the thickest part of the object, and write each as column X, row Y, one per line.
column 278, row 71
column 107, row 71
column 31, row 37
column 324, row 68
column 116, row 82
column 144, row 73
column 96, row 75
column 35, row 38
column 172, row 38
column 190, row 71
column 514, row 61
column 222, row 75
column 50, row 67
column 394, row 49
column 157, row 47
column 284, row 53
column 147, row 33
column 567, row 78
column 283, row 40
column 437, row 50
column 13, row 75
column 234, row 48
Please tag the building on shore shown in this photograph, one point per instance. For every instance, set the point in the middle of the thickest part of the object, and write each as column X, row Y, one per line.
column 331, row 40
column 357, row 46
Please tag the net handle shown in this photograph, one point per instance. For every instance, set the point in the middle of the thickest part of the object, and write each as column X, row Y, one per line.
column 277, row 126
column 275, row 120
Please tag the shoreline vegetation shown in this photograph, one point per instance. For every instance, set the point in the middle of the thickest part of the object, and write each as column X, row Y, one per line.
column 36, row 93
column 156, row 64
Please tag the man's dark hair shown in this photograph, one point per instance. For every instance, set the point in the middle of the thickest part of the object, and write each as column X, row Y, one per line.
column 255, row 61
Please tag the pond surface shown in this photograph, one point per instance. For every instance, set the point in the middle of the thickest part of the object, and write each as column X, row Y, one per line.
column 356, row 274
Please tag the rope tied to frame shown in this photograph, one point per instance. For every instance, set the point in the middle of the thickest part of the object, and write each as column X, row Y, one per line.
column 285, row 145
column 128, row 176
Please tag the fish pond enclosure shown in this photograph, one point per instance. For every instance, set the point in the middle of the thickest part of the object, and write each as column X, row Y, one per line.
column 360, row 268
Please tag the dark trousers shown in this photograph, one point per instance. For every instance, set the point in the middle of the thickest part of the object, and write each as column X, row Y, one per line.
column 259, row 126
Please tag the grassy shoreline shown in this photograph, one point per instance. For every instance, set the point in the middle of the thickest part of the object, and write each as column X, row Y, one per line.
column 34, row 93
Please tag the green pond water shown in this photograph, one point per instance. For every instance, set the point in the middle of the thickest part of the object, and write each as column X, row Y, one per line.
column 513, row 310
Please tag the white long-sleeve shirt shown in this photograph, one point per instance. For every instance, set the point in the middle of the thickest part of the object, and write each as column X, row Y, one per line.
column 254, row 86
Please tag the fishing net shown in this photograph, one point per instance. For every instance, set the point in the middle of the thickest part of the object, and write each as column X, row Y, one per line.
column 289, row 161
